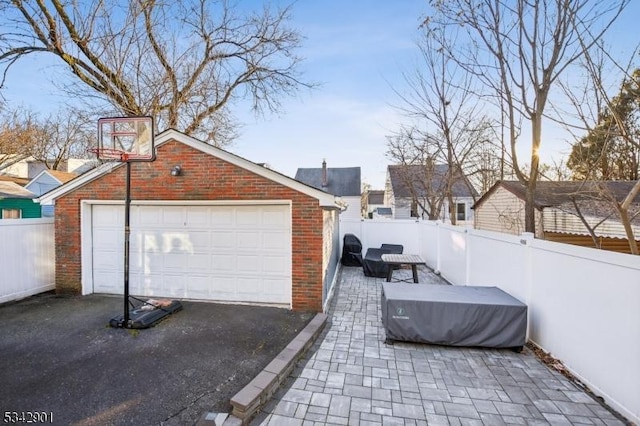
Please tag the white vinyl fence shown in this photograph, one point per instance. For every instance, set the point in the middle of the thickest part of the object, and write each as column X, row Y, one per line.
column 27, row 258
column 584, row 304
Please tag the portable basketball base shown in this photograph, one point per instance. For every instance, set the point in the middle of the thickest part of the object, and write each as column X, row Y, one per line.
column 127, row 140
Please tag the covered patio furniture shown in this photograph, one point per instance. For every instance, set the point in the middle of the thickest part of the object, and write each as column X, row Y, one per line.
column 453, row 315
column 351, row 251
column 372, row 263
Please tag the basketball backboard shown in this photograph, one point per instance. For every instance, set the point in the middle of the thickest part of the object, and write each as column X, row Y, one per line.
column 125, row 139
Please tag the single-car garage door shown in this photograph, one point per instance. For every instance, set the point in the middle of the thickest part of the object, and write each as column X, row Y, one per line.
column 237, row 253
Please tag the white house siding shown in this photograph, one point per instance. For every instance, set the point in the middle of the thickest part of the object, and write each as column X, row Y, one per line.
column 27, row 168
column 402, row 208
column 353, row 208
column 503, row 212
column 328, row 218
column 556, row 220
column 468, row 201
column 389, row 199
column 18, row 169
column 330, row 250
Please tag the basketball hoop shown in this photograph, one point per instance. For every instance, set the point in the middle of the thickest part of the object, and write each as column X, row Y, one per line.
column 125, row 139
column 110, row 154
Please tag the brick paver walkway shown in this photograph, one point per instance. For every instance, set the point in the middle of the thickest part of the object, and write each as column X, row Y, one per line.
column 351, row 377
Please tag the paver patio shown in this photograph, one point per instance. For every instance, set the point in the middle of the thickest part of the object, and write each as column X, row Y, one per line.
column 351, row 377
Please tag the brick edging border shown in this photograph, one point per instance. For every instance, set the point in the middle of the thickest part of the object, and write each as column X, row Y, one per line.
column 258, row 391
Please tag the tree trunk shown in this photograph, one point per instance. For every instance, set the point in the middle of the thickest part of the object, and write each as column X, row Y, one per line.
column 529, row 209
column 633, row 245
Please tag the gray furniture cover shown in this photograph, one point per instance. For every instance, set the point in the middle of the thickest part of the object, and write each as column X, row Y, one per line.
column 351, row 250
column 372, row 264
column 453, row 315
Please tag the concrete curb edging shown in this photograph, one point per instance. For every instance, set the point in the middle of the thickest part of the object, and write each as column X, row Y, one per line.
column 256, row 393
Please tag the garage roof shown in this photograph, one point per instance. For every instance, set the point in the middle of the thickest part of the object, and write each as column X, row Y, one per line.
column 324, row 199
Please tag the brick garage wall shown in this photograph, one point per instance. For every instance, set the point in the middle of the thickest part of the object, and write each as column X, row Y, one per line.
column 203, row 178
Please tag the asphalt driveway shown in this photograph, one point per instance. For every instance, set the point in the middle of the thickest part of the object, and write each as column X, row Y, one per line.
column 58, row 355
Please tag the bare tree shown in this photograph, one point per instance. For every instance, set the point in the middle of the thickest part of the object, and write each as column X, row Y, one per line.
column 449, row 129
column 364, row 199
column 62, row 135
column 613, row 120
column 184, row 63
column 518, row 49
column 416, row 171
column 18, row 131
column 51, row 140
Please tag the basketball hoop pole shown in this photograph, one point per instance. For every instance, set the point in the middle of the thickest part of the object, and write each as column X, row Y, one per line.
column 127, row 234
column 127, row 140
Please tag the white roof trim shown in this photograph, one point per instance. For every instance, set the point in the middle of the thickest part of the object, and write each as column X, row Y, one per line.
column 324, row 199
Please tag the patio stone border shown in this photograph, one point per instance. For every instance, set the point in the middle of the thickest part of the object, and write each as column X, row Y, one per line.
column 254, row 395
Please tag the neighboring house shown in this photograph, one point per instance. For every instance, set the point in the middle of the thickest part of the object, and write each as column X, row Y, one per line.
column 501, row 209
column 382, row 213
column 410, row 188
column 17, row 202
column 18, row 180
column 375, row 200
column 343, row 182
column 44, row 182
column 29, row 168
column 222, row 229
column 11, row 164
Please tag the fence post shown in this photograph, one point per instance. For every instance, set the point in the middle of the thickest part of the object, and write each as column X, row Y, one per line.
column 526, row 239
column 467, row 257
column 438, row 251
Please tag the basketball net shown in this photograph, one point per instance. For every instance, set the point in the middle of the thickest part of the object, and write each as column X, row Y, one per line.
column 111, row 154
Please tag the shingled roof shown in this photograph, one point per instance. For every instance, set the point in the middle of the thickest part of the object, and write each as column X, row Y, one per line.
column 553, row 194
column 13, row 190
column 425, row 181
column 561, row 195
column 63, row 177
column 376, row 197
column 20, row 181
column 340, row 181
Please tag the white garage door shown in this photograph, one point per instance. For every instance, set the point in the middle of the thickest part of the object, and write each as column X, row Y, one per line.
column 226, row 253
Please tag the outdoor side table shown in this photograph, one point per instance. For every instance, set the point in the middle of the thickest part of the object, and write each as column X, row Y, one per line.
column 412, row 260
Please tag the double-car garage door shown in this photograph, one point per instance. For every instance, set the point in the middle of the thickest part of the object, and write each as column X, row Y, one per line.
column 235, row 253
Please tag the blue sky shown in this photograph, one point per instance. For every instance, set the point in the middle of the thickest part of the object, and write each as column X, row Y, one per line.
column 356, row 50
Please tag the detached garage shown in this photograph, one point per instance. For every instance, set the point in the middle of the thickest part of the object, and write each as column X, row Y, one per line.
column 225, row 229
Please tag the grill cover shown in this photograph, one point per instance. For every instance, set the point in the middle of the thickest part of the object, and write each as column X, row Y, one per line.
column 351, row 250
column 453, row 315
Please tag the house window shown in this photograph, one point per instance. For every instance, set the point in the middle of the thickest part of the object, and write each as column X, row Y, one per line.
column 461, row 211
column 11, row 213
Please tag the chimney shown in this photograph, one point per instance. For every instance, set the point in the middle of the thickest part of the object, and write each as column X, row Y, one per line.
column 324, row 173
